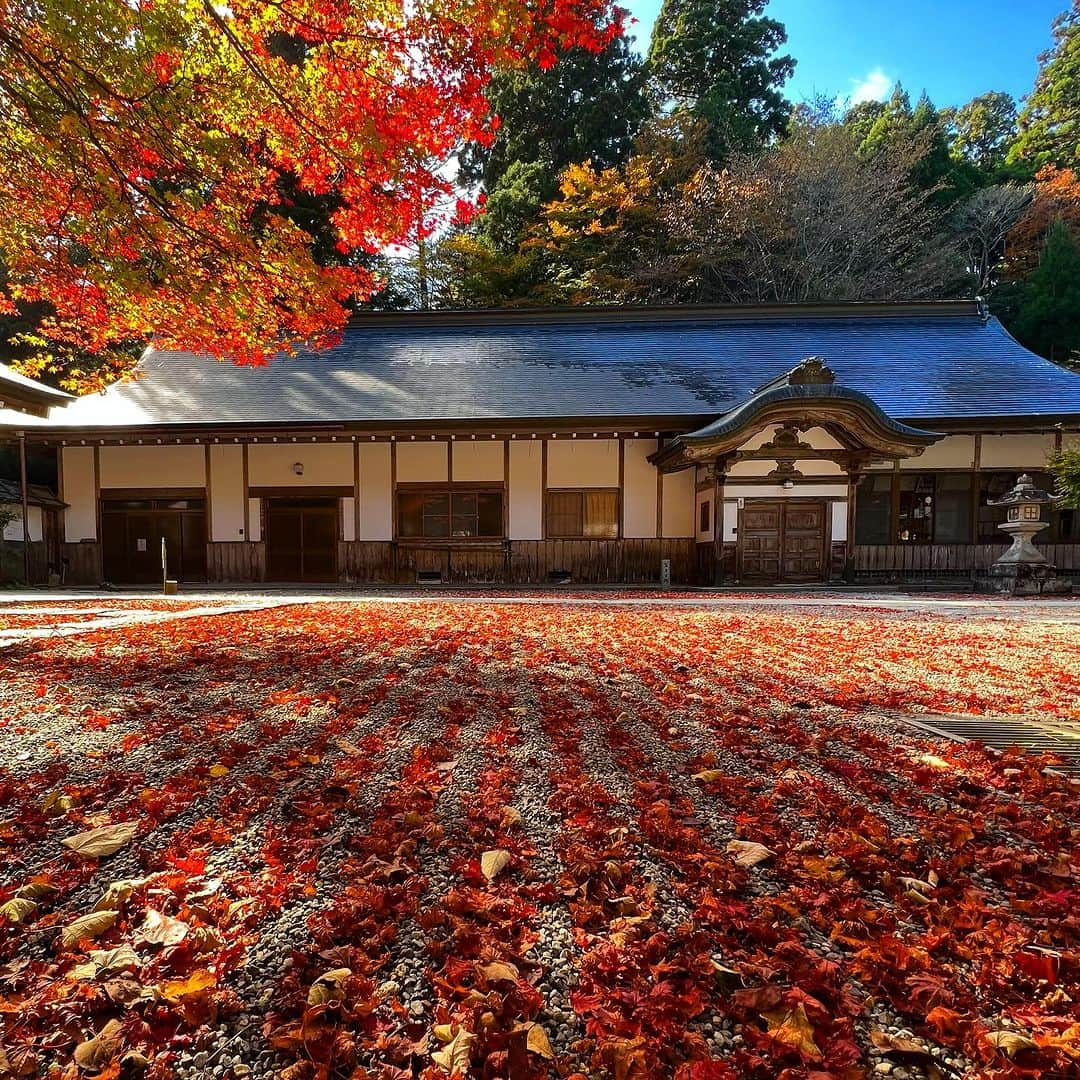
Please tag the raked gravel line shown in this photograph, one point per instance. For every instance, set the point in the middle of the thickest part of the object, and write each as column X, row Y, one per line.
column 294, row 734
column 257, row 980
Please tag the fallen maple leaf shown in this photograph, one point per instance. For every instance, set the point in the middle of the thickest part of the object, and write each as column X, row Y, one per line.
column 94, row 1054
column 158, row 929
column 497, row 971
column 492, row 863
column 1011, row 1042
column 105, row 840
column 17, row 910
column 791, row 1026
column 748, row 853
column 329, row 986
column 454, row 1056
column 90, row 925
column 195, row 983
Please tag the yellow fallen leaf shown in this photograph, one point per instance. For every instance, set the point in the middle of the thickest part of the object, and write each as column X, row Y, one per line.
column 510, row 816
column 94, row 1054
column 91, row 925
column 538, row 1042
column 158, row 929
column 36, row 889
column 748, row 853
column 17, row 910
column 791, row 1026
column 108, row 962
column 493, row 863
column 329, row 986
column 708, row 775
column 454, row 1056
column 95, row 843
column 1011, row 1042
column 218, row 771
column 195, row 983
column 119, row 892
column 933, row 761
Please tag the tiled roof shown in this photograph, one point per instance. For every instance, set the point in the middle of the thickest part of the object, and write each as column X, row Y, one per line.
column 918, row 362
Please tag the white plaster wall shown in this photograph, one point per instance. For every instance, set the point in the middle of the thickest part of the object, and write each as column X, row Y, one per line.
column 376, row 492
column 478, row 462
column 677, row 514
column 811, row 467
column 152, row 466
column 348, row 518
column 839, row 520
column 254, row 520
column 777, row 491
column 77, row 489
column 639, row 489
column 1015, row 451
column 526, row 490
column 325, row 464
column 14, row 530
column 583, row 463
column 952, row 452
column 227, row 493
column 731, row 520
column 422, row 462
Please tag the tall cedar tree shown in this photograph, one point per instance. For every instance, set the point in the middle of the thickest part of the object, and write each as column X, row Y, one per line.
column 716, row 59
column 1050, row 121
column 1046, row 316
column 146, row 146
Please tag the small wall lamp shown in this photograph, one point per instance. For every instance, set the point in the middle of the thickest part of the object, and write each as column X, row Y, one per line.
column 298, row 468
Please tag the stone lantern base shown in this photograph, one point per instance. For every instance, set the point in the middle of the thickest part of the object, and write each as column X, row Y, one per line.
column 1022, row 579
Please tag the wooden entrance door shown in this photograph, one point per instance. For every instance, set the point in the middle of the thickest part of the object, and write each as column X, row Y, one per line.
column 782, row 541
column 301, row 539
column 131, row 534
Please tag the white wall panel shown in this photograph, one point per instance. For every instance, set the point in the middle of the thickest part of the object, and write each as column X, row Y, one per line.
column 254, row 520
column 348, row 519
column 478, row 462
column 839, row 521
column 227, row 492
column 422, row 462
column 77, row 490
column 952, row 452
column 376, row 494
column 583, row 463
column 14, row 529
column 678, row 504
column 639, row 489
column 324, row 464
column 1015, row 451
column 526, row 490
column 152, row 466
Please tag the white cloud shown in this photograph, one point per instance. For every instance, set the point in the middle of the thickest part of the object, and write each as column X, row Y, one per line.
column 874, row 86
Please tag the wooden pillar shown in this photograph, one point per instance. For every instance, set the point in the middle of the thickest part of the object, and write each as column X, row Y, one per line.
column 719, row 476
column 25, row 492
column 854, row 475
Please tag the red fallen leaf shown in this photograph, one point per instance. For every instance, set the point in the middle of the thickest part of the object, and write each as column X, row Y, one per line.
column 1039, row 966
column 945, row 1021
column 759, row 998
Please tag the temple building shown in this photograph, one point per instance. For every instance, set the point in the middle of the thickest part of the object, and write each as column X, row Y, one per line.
column 749, row 445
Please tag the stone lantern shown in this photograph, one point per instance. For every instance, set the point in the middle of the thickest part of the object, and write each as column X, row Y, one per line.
column 1023, row 570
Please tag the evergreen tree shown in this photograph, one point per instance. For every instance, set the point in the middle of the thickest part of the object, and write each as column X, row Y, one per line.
column 982, row 130
column 1047, row 302
column 588, row 106
column 1050, row 121
column 716, row 59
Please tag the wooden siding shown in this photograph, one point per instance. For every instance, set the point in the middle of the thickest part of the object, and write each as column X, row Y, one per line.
column 83, row 563
column 946, row 560
column 229, row 561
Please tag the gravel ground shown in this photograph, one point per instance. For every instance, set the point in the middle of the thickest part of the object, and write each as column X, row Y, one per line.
column 718, row 851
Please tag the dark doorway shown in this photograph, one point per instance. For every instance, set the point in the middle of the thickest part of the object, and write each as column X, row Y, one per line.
column 132, row 531
column 301, row 539
column 782, row 541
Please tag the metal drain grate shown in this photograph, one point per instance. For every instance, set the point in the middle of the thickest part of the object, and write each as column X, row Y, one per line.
column 1005, row 732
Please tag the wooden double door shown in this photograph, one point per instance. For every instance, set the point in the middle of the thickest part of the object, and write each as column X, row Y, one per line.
column 782, row 540
column 301, row 539
column 132, row 531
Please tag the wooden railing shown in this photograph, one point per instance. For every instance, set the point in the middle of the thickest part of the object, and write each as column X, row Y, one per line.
column 946, row 560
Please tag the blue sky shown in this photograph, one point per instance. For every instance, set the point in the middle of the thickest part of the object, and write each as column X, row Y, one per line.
column 954, row 49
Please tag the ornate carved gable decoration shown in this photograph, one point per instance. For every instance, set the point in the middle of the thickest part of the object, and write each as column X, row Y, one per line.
column 808, row 396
